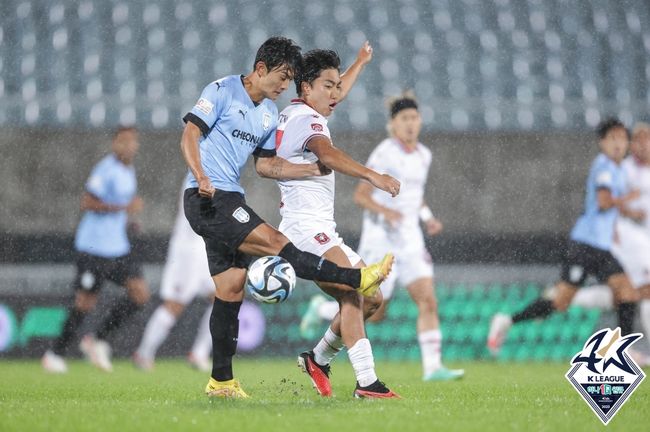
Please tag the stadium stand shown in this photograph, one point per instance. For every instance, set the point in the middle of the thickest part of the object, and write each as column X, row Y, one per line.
column 475, row 65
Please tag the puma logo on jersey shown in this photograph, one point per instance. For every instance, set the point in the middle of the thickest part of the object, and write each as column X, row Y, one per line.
column 243, row 114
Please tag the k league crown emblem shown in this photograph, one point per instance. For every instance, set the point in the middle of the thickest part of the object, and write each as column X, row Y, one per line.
column 604, row 374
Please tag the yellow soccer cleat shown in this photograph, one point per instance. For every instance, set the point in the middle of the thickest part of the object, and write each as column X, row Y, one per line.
column 373, row 275
column 225, row 389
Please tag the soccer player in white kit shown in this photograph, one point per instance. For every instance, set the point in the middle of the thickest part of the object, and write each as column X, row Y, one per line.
column 395, row 224
column 632, row 244
column 185, row 276
column 307, row 210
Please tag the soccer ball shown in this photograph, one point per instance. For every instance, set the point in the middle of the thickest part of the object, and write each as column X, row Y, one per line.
column 270, row 279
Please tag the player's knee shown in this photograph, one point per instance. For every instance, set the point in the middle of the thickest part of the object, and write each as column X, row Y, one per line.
column 428, row 305
column 85, row 302
column 372, row 304
column 277, row 240
column 138, row 291
column 174, row 308
column 560, row 304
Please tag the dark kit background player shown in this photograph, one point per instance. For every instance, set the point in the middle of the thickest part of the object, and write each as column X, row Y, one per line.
column 588, row 250
column 104, row 253
column 234, row 118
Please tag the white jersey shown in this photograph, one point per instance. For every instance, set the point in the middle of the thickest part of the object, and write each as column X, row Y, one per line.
column 638, row 177
column 411, row 168
column 311, row 197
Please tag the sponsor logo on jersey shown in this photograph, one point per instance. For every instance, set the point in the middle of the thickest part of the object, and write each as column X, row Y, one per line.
column 604, row 374
column 266, row 121
column 246, row 136
column 575, row 274
column 321, row 238
column 241, row 215
column 317, row 127
column 204, row 105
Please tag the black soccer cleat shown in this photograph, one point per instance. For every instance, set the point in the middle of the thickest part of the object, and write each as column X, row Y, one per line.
column 376, row 390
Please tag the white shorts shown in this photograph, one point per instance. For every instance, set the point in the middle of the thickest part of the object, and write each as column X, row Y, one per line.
column 316, row 237
column 186, row 274
column 412, row 260
column 632, row 250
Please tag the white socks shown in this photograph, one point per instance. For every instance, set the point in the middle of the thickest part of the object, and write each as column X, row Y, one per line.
column 363, row 362
column 430, row 345
column 203, row 342
column 328, row 310
column 328, row 347
column 156, row 332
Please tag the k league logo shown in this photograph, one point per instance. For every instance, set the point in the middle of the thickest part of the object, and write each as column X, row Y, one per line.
column 604, row 374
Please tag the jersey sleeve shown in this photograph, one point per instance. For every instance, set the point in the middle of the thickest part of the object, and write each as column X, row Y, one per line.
column 98, row 182
column 214, row 100
column 266, row 148
column 308, row 127
column 603, row 178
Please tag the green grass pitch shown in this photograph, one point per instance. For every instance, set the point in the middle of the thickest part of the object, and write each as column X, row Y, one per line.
column 492, row 397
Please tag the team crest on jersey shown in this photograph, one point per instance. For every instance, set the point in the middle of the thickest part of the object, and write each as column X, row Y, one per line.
column 321, row 238
column 603, row 372
column 241, row 215
column 317, row 127
column 204, row 105
column 266, row 121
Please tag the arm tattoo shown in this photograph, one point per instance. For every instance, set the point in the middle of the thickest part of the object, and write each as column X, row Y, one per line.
column 276, row 166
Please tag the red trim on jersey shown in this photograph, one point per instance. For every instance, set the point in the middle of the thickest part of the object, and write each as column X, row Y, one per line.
column 304, row 145
column 403, row 146
column 278, row 138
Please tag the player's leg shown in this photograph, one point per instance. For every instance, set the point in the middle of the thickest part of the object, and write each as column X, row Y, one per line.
column 127, row 273
column 319, row 309
column 87, row 283
column 155, row 333
column 422, row 291
column 538, row 309
column 625, row 297
column 266, row 240
column 224, row 329
column 594, row 297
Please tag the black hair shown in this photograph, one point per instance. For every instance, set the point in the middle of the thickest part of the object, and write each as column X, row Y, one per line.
column 124, row 129
column 402, row 103
column 607, row 125
column 278, row 51
column 313, row 63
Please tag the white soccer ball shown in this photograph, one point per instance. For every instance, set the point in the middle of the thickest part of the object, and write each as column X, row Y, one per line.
column 270, row 279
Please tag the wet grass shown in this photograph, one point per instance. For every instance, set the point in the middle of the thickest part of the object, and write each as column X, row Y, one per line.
column 492, row 397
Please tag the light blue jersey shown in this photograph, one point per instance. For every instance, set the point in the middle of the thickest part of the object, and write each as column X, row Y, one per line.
column 595, row 227
column 104, row 233
column 233, row 128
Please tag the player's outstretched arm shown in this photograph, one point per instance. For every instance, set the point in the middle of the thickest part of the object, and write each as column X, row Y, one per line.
column 192, row 155
column 351, row 74
column 281, row 169
column 337, row 160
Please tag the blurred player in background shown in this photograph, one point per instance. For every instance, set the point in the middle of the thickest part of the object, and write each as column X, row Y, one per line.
column 234, row 118
column 307, row 209
column 104, row 253
column 591, row 240
column 395, row 223
column 185, row 276
column 631, row 246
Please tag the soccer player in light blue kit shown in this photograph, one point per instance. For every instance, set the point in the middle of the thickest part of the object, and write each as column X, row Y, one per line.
column 588, row 250
column 103, row 253
column 234, row 118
